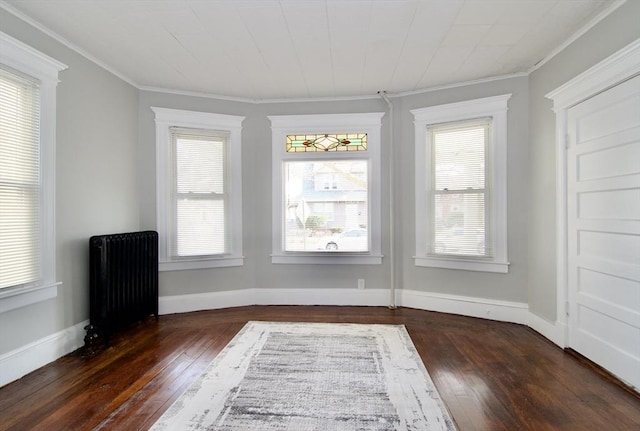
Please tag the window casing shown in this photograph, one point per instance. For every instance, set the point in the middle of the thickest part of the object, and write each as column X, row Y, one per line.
column 326, row 189
column 199, row 210
column 461, row 218
column 28, row 81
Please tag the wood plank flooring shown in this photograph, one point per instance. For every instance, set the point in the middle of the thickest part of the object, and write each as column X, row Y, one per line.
column 492, row 375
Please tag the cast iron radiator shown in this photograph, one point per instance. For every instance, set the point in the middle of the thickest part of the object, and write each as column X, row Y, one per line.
column 123, row 281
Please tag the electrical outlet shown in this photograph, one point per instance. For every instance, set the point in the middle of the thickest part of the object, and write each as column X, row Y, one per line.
column 361, row 283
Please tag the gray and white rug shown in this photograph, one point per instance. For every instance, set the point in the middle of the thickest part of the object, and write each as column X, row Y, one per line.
column 312, row 376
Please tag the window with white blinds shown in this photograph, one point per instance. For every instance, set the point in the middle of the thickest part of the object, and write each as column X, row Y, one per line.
column 458, row 193
column 461, row 185
column 199, row 196
column 199, row 184
column 20, row 181
column 28, row 80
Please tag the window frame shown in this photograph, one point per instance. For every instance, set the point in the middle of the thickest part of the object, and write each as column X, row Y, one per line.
column 494, row 108
column 283, row 125
column 31, row 62
column 166, row 119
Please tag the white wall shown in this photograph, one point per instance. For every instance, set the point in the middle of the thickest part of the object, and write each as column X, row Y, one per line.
column 96, row 188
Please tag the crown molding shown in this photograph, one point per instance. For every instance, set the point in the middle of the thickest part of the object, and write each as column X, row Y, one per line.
column 41, row 27
column 254, row 100
column 575, row 36
column 609, row 72
column 595, row 20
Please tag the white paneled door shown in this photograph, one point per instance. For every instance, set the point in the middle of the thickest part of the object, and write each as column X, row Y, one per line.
column 603, row 229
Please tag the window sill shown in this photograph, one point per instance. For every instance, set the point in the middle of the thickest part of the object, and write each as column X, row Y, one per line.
column 326, row 259
column 12, row 298
column 181, row 265
column 463, row 264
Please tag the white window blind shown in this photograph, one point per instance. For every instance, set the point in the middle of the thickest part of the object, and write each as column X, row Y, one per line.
column 20, row 181
column 200, row 192
column 459, row 194
column 461, row 185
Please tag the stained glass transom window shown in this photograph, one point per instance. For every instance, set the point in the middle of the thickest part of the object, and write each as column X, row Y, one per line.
column 327, row 142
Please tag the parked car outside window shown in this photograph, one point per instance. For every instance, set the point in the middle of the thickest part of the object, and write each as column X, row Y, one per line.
column 351, row 240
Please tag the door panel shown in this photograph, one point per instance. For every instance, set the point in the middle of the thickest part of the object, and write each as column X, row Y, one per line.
column 603, row 229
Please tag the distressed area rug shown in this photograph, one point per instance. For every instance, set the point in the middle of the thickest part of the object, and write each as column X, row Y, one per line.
column 312, row 376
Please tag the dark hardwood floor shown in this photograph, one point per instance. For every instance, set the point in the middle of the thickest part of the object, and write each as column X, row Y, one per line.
column 491, row 375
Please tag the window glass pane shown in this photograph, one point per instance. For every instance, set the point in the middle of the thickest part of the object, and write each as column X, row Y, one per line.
column 200, row 220
column 19, row 230
column 459, row 158
column 326, row 206
column 459, row 224
column 200, row 227
column 326, row 142
column 199, row 165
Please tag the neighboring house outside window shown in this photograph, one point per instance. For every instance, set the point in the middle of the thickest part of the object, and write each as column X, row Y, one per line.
column 461, row 218
column 28, row 82
column 199, row 211
column 326, row 187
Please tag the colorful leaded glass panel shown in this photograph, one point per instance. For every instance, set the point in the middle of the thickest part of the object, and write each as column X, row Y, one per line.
column 327, row 142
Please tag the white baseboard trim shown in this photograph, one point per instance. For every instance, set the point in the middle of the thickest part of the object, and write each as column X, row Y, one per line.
column 554, row 332
column 239, row 298
column 504, row 311
column 204, row 301
column 30, row 357
column 19, row 362
column 360, row 297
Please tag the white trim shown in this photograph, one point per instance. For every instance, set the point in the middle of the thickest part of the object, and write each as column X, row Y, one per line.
column 616, row 68
column 611, row 71
column 295, row 123
column 45, row 69
column 554, row 332
column 462, row 264
column 12, row 298
column 196, row 119
column 9, row 8
column 505, row 311
column 562, row 311
column 215, row 262
column 358, row 297
column 30, row 357
column 247, row 297
column 254, row 100
column 166, row 118
column 26, row 59
column 327, row 259
column 458, row 85
column 205, row 301
column 370, row 123
column 495, row 107
column 12, row 10
column 330, row 98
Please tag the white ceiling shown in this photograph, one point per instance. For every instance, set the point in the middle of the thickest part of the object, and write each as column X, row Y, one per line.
column 283, row 49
